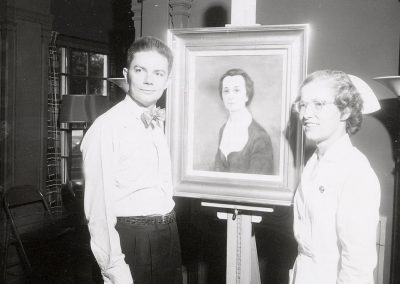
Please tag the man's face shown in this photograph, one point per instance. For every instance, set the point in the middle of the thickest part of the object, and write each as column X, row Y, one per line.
column 147, row 77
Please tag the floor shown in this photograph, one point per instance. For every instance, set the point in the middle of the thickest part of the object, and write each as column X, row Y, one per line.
column 68, row 259
column 203, row 241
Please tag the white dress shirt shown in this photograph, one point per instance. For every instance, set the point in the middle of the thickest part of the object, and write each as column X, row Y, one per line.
column 235, row 134
column 127, row 173
column 336, row 212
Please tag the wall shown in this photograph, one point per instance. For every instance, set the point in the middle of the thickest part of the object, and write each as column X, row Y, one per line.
column 103, row 26
column 85, row 19
column 153, row 27
column 25, row 32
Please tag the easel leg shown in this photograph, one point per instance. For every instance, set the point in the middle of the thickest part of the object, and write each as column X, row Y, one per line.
column 241, row 260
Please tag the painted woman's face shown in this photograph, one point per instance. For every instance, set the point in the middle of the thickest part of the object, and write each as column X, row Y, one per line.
column 320, row 117
column 234, row 93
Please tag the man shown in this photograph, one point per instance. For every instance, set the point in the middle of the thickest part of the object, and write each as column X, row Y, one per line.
column 128, row 186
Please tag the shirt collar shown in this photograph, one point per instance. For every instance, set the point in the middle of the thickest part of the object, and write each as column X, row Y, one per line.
column 337, row 150
column 133, row 107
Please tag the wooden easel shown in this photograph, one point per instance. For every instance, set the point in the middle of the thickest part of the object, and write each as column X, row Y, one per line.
column 241, row 259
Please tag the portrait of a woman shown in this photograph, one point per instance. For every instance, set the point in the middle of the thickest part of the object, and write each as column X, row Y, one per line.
column 244, row 146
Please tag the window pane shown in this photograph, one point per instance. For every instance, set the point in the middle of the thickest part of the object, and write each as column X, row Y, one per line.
column 77, row 136
column 79, row 61
column 77, row 86
column 96, row 65
column 62, row 60
column 63, row 85
column 76, row 157
column 96, row 86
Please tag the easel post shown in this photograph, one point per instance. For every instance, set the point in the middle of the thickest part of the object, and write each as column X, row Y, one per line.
column 243, row 12
column 241, row 259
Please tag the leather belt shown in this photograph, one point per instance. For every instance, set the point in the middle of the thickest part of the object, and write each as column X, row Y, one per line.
column 149, row 220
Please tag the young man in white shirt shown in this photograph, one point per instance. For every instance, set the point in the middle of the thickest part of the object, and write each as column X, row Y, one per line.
column 128, row 186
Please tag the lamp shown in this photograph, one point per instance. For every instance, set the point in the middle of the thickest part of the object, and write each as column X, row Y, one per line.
column 120, row 82
column 81, row 110
column 393, row 84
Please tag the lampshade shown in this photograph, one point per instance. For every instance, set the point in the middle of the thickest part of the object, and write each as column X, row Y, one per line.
column 120, row 82
column 82, row 108
column 391, row 82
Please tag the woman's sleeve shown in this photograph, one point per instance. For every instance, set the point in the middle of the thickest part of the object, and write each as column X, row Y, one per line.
column 357, row 220
column 262, row 160
column 218, row 165
column 99, row 160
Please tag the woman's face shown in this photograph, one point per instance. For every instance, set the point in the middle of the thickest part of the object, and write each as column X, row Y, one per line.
column 321, row 118
column 234, row 93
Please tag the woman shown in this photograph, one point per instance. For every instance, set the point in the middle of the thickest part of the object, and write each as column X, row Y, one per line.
column 244, row 145
column 336, row 206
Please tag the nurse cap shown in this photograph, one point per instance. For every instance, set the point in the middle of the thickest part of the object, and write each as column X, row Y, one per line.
column 371, row 103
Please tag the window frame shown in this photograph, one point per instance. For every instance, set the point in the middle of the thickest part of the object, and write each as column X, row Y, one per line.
column 66, row 73
column 74, row 132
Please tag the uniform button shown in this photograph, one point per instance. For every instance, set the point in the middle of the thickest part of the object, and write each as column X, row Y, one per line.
column 321, row 189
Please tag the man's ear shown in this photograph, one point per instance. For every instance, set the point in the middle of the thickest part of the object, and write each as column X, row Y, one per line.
column 168, row 82
column 345, row 114
column 125, row 73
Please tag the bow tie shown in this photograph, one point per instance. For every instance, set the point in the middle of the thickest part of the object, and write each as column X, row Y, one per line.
column 152, row 117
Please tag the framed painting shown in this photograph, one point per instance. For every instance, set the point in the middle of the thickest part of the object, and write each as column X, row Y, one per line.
column 228, row 145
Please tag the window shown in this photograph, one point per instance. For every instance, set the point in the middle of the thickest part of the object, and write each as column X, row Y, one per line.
column 81, row 72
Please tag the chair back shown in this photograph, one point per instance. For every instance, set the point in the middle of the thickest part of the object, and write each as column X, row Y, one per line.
column 26, row 207
column 30, row 227
column 23, row 195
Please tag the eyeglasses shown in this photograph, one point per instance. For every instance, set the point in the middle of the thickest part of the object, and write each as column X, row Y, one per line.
column 301, row 106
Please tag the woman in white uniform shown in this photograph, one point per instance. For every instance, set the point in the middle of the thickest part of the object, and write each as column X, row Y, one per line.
column 336, row 206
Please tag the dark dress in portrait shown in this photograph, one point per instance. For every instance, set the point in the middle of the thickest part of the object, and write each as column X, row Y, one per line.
column 255, row 158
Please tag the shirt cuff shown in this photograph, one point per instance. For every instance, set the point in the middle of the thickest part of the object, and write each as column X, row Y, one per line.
column 120, row 274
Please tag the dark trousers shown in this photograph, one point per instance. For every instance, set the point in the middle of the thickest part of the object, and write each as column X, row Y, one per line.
column 152, row 252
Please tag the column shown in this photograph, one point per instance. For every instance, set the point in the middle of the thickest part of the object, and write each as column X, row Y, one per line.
column 136, row 8
column 180, row 13
column 7, row 98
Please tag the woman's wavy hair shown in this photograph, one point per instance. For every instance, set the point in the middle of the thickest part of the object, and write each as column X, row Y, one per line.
column 248, row 82
column 347, row 96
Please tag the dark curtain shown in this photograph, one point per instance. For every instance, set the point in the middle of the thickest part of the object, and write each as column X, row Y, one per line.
column 53, row 180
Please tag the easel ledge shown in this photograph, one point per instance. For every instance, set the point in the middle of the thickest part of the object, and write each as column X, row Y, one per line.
column 237, row 207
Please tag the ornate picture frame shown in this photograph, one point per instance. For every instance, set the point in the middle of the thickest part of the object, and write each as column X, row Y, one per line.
column 275, row 59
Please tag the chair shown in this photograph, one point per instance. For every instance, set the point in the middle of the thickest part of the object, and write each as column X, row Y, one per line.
column 29, row 221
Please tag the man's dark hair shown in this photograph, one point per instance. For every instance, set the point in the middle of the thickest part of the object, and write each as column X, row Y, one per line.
column 149, row 43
